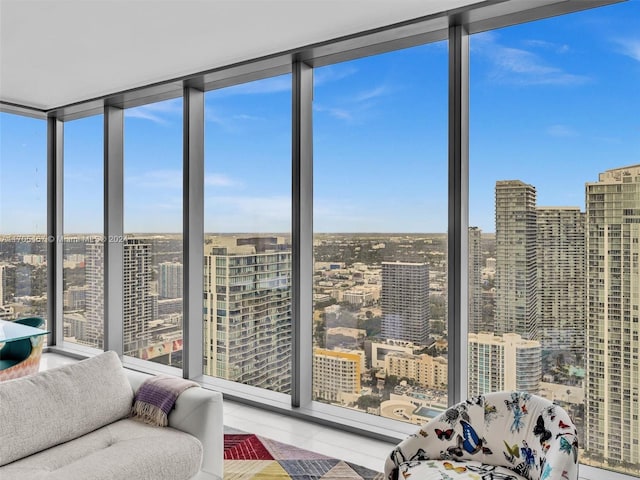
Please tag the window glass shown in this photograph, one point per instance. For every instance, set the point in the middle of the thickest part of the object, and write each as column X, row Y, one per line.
column 23, row 217
column 380, row 234
column 152, row 303
column 247, row 222
column 554, row 199
column 83, row 252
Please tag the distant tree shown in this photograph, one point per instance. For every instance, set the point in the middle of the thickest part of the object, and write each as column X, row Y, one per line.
column 373, row 326
column 319, row 334
column 390, row 382
column 368, row 401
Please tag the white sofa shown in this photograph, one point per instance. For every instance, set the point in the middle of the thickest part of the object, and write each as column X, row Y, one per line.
column 70, row 423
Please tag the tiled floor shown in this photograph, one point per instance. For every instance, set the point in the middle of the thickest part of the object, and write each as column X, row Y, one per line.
column 327, row 441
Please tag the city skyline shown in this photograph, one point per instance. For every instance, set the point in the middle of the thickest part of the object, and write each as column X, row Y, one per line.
column 529, row 86
column 497, row 361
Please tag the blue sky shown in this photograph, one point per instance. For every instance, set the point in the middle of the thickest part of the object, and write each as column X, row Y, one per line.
column 552, row 103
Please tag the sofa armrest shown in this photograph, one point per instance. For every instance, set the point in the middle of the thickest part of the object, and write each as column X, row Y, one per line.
column 197, row 411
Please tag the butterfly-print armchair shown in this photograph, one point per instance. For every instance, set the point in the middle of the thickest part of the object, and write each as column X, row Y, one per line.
column 496, row 436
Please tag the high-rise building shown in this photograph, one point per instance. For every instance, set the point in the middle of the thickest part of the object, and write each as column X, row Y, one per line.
column 74, row 297
column 247, row 312
column 516, row 308
column 561, row 280
column 137, row 303
column 612, row 410
column 7, row 283
column 475, row 282
column 170, row 280
column 405, row 302
column 94, row 296
column 335, row 372
column 506, row 362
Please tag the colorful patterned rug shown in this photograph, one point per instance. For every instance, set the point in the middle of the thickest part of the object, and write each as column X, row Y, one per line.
column 248, row 456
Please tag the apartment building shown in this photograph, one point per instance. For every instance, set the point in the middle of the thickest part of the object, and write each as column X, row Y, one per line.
column 503, row 362
column 170, row 280
column 561, row 262
column 516, row 262
column 476, row 323
column 405, row 302
column 612, row 331
column 335, row 373
column 247, row 312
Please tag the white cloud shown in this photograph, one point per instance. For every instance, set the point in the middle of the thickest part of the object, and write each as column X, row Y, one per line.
column 517, row 66
column 370, row 94
column 332, row 73
column 340, row 113
column 248, row 214
column 164, row 179
column 142, row 113
column 555, row 47
column 630, row 47
column 561, row 131
column 211, row 115
column 351, row 107
column 229, row 122
column 159, row 112
column 521, row 67
column 172, row 179
column 219, row 180
column 244, row 116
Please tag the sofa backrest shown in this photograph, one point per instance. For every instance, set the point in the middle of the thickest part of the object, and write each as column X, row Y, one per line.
column 61, row 404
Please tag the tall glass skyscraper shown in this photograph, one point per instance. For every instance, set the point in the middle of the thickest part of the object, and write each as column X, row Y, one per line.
column 613, row 328
column 516, row 267
column 561, row 280
column 137, row 299
column 170, row 280
column 475, row 282
column 405, row 302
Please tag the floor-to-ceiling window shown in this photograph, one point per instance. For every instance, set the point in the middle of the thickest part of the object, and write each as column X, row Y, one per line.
column 23, row 217
column 247, row 232
column 380, row 233
column 553, row 106
column 83, row 247
column 554, row 210
column 152, row 241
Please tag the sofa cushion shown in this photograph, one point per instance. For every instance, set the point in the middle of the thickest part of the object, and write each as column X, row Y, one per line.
column 61, row 404
column 127, row 449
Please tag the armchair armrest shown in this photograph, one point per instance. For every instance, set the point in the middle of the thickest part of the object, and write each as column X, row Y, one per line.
column 414, row 447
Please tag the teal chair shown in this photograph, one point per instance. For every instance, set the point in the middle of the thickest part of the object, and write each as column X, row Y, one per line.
column 15, row 352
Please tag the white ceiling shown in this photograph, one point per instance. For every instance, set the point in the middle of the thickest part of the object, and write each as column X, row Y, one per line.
column 58, row 52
